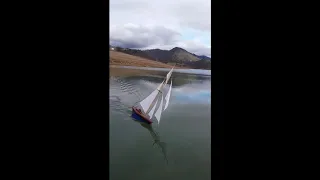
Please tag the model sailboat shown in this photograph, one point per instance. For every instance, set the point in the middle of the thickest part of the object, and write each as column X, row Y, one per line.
column 152, row 106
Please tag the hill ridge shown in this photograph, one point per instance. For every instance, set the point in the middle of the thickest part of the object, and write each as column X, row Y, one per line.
column 176, row 55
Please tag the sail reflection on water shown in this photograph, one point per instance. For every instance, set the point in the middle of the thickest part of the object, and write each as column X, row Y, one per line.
column 156, row 139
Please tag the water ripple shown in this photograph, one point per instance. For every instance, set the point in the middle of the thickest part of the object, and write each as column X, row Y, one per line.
column 124, row 93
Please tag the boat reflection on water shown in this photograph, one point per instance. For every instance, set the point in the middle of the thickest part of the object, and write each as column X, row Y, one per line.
column 156, row 139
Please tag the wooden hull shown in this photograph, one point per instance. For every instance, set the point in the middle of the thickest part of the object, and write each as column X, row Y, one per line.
column 139, row 116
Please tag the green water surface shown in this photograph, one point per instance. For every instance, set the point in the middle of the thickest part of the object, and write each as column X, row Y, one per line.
column 178, row 147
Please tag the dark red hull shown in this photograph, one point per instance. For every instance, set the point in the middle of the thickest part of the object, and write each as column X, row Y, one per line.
column 138, row 115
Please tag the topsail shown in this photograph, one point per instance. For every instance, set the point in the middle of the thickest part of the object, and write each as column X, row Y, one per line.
column 168, row 76
column 168, row 97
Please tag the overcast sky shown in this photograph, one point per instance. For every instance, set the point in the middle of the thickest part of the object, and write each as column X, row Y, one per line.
column 165, row 24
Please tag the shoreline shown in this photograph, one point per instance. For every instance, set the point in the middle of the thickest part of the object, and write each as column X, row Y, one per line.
column 134, row 71
column 133, row 66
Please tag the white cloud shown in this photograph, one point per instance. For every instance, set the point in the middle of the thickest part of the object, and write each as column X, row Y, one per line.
column 161, row 24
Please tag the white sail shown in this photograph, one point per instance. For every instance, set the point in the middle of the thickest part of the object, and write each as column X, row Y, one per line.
column 149, row 104
column 158, row 113
column 168, row 75
column 152, row 110
column 145, row 104
column 168, row 97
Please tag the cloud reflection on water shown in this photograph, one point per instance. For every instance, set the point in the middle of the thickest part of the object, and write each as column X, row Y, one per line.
column 191, row 94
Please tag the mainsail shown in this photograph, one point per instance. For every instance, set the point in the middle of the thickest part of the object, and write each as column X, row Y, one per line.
column 152, row 110
column 149, row 104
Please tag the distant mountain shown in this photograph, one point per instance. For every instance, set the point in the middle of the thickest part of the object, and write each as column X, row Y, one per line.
column 176, row 55
column 203, row 57
column 180, row 55
column 135, row 52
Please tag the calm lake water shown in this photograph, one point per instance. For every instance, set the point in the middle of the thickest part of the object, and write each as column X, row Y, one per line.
column 183, row 137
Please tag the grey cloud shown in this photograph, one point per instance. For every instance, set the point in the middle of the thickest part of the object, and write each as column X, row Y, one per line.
column 144, row 37
column 138, row 36
column 145, row 24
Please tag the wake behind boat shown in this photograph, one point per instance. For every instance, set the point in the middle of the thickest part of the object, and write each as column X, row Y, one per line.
column 152, row 106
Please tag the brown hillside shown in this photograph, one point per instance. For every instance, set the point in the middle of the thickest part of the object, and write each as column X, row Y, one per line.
column 122, row 59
